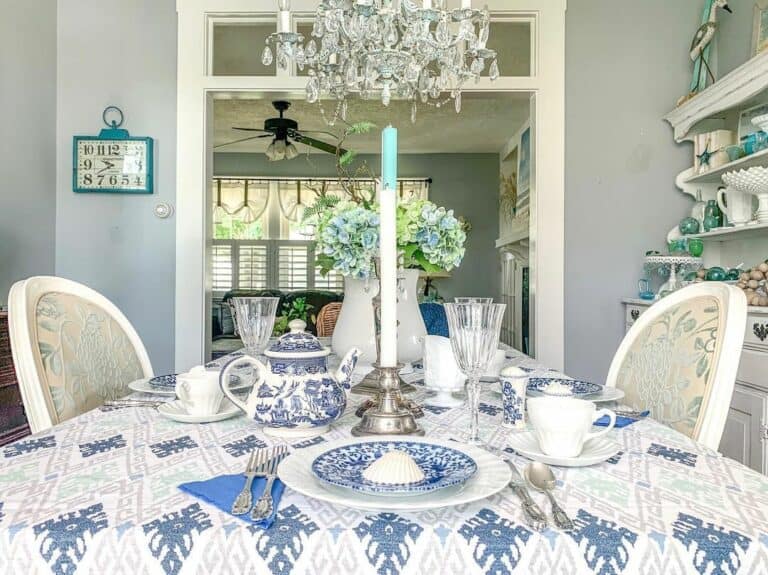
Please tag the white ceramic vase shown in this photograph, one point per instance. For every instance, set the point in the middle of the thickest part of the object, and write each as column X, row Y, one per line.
column 354, row 328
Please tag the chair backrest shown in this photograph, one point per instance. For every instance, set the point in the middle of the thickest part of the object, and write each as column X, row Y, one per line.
column 327, row 318
column 72, row 348
column 679, row 359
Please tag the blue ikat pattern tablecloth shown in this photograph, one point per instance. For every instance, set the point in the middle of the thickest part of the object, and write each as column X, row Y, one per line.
column 98, row 494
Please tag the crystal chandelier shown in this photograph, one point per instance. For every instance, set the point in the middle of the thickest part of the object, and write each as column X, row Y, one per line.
column 387, row 48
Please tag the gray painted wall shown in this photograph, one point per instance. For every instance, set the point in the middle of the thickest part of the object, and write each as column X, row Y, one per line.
column 28, row 143
column 626, row 65
column 112, row 52
column 466, row 183
column 734, row 41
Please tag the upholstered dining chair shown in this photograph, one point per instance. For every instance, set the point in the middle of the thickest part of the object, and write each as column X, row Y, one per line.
column 679, row 359
column 73, row 349
column 327, row 318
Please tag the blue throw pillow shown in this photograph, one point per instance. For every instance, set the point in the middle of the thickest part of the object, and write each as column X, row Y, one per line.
column 434, row 318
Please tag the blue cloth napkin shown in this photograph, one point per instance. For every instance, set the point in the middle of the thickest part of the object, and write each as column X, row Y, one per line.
column 221, row 492
column 621, row 421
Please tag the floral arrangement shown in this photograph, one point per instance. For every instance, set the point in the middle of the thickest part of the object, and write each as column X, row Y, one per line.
column 430, row 237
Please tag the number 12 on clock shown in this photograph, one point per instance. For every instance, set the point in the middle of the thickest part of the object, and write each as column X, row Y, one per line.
column 112, row 165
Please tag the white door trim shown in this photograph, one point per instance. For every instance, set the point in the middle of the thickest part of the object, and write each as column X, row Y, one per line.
column 195, row 90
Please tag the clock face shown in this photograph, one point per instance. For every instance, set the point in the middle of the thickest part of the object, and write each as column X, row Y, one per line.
column 113, row 165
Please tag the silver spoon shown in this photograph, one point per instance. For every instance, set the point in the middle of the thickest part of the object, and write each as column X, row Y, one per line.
column 541, row 478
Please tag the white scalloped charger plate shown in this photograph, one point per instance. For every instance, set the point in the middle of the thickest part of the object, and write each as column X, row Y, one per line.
column 492, row 476
column 595, row 450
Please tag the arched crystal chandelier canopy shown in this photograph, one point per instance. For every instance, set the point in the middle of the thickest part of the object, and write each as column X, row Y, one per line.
column 387, row 49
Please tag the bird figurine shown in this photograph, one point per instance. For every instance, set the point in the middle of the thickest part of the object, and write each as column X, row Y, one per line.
column 700, row 47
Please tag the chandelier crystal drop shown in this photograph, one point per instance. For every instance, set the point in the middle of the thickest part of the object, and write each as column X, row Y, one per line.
column 387, row 49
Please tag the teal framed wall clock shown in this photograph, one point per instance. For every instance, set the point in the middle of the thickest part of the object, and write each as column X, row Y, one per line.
column 114, row 161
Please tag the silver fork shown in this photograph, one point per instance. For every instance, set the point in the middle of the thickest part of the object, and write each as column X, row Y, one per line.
column 264, row 506
column 244, row 501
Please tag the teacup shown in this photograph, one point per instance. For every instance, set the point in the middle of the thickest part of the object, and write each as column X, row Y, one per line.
column 497, row 362
column 563, row 424
column 441, row 372
column 199, row 391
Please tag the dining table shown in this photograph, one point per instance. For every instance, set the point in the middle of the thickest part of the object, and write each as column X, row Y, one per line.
column 99, row 494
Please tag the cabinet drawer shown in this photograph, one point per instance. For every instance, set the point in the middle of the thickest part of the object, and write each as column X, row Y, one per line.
column 757, row 331
column 753, row 367
column 633, row 312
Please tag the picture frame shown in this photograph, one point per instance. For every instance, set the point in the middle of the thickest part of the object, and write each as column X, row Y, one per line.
column 745, row 120
column 760, row 27
column 524, row 162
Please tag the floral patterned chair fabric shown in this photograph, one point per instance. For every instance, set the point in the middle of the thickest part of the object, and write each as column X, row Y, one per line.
column 669, row 365
column 72, row 348
column 679, row 360
column 86, row 355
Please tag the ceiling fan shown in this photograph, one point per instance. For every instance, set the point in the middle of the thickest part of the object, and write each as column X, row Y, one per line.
column 284, row 132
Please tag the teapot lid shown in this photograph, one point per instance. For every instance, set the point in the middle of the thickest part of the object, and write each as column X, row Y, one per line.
column 297, row 343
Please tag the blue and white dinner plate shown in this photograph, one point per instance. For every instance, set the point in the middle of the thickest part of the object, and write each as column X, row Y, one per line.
column 577, row 386
column 169, row 381
column 443, row 466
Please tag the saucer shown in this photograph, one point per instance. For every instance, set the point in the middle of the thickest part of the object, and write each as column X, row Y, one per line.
column 605, row 394
column 595, row 450
column 176, row 411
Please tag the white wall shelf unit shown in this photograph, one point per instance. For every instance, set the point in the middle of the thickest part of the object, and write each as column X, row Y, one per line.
column 728, row 92
column 714, row 176
column 733, row 234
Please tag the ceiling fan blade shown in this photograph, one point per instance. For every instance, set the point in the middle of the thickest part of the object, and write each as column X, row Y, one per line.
column 317, row 144
column 251, row 130
column 237, row 141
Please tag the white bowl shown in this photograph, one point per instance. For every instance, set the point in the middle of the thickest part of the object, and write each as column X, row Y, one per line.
column 752, row 180
column 761, row 122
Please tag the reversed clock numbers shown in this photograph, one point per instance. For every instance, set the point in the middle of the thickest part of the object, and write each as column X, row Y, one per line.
column 112, row 165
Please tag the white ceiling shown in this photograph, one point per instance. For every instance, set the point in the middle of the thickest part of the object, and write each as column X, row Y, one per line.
column 485, row 124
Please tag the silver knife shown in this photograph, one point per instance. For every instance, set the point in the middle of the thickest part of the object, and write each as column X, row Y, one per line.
column 534, row 516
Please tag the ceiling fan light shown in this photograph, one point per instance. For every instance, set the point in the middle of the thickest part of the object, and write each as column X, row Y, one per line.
column 290, row 151
column 280, row 149
column 272, row 152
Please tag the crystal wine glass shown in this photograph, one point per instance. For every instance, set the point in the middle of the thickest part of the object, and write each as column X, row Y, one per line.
column 474, row 331
column 255, row 318
column 483, row 300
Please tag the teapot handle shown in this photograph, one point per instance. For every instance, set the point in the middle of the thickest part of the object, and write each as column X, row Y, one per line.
column 227, row 370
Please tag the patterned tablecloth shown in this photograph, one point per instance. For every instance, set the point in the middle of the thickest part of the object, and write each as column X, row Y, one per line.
column 98, row 494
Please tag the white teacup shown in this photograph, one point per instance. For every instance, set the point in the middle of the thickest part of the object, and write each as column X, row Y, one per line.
column 497, row 362
column 563, row 424
column 441, row 372
column 199, row 391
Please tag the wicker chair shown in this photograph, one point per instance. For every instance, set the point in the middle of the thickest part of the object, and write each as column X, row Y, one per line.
column 326, row 319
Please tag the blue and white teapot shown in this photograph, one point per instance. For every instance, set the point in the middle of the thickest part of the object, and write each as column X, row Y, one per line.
column 294, row 394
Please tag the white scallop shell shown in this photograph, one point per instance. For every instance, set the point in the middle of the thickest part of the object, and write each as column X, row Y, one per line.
column 557, row 388
column 394, row 467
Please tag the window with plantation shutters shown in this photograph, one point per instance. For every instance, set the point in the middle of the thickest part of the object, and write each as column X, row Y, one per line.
column 221, row 267
column 259, row 240
column 253, row 265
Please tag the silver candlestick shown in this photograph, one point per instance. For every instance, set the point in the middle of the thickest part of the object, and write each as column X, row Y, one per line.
column 392, row 414
column 388, row 413
column 370, row 383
